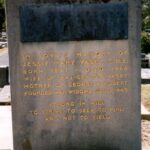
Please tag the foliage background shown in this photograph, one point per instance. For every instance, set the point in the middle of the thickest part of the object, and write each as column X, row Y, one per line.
column 2, row 15
column 145, row 35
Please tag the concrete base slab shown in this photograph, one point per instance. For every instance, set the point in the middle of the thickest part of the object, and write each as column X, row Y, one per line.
column 145, row 73
column 5, row 95
column 6, row 140
column 145, row 113
column 4, row 61
column 145, row 76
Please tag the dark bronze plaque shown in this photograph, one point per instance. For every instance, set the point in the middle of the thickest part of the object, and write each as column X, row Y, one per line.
column 64, row 22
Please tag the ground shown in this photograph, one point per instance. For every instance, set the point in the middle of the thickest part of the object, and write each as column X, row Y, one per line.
column 145, row 95
column 3, row 49
column 145, row 99
column 146, row 133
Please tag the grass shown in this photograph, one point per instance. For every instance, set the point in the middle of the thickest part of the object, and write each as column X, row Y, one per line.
column 3, row 49
column 145, row 93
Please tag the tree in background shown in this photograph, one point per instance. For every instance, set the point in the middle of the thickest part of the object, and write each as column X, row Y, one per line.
column 146, row 15
column 145, row 42
column 145, row 36
column 2, row 15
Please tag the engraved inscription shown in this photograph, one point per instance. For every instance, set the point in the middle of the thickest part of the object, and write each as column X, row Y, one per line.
column 81, row 76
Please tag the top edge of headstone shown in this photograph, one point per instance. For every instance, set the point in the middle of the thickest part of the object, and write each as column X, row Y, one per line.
column 73, row 22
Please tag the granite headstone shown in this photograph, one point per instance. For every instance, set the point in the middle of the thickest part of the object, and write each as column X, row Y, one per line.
column 75, row 74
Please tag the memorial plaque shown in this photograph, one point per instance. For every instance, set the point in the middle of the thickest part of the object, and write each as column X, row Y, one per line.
column 73, row 22
column 75, row 74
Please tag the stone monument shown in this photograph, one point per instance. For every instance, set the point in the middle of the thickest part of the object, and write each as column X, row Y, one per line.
column 75, row 74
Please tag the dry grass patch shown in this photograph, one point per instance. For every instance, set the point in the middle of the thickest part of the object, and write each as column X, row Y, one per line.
column 3, row 49
column 145, row 93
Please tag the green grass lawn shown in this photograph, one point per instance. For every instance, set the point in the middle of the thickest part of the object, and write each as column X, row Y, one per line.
column 145, row 93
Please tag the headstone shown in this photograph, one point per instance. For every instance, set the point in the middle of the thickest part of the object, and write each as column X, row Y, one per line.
column 4, row 68
column 4, row 76
column 5, row 95
column 75, row 74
